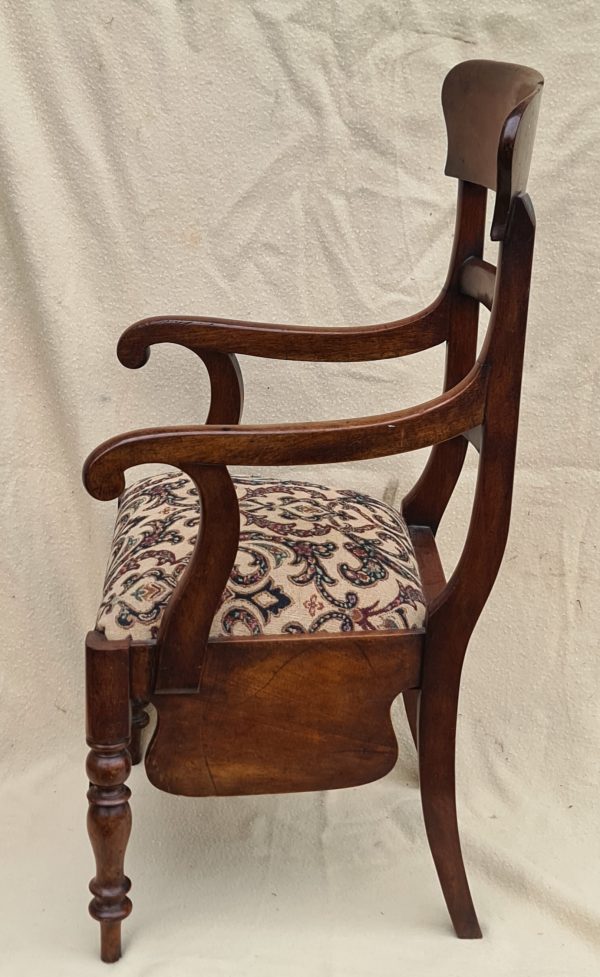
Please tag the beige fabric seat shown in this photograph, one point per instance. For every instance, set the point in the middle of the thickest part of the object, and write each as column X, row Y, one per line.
column 310, row 558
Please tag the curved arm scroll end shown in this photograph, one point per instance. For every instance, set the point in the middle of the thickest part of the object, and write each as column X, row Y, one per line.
column 101, row 481
column 131, row 350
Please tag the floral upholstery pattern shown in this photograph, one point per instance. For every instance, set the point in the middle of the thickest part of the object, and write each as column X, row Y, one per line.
column 309, row 559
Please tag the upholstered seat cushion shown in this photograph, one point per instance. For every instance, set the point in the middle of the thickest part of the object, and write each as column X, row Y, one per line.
column 310, row 559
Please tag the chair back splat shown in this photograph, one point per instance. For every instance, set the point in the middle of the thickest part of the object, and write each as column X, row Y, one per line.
column 491, row 110
column 272, row 623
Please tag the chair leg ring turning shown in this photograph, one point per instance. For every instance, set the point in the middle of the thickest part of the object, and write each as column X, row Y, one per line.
column 109, row 826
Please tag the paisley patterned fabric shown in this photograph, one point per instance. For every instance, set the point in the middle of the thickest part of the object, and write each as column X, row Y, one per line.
column 310, row 559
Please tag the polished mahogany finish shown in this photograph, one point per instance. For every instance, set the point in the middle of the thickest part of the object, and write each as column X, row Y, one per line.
column 292, row 713
column 312, row 712
column 491, row 110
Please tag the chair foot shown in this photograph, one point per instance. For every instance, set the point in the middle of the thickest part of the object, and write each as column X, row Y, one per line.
column 110, row 940
column 437, row 737
column 109, row 826
column 468, row 929
column 139, row 721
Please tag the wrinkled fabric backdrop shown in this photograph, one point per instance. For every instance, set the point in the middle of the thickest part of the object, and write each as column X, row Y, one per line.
column 284, row 161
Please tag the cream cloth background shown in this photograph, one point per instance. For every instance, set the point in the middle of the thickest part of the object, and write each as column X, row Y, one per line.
column 284, row 161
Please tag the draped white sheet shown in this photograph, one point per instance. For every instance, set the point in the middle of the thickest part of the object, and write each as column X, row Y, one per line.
column 282, row 160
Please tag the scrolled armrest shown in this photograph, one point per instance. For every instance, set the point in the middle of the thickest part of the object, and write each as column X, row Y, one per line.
column 322, row 442
column 309, row 343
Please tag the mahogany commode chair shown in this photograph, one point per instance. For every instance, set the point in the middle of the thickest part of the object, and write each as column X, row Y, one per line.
column 271, row 623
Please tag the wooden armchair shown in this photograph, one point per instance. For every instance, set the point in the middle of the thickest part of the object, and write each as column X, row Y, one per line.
column 271, row 623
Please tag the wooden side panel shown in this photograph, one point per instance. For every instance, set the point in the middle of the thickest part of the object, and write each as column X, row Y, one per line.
column 305, row 713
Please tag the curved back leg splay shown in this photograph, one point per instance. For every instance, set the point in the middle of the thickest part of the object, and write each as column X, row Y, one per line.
column 260, row 688
column 437, row 714
column 454, row 610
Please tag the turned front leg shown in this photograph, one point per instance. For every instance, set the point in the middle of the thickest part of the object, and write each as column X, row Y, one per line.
column 108, row 767
column 109, row 826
